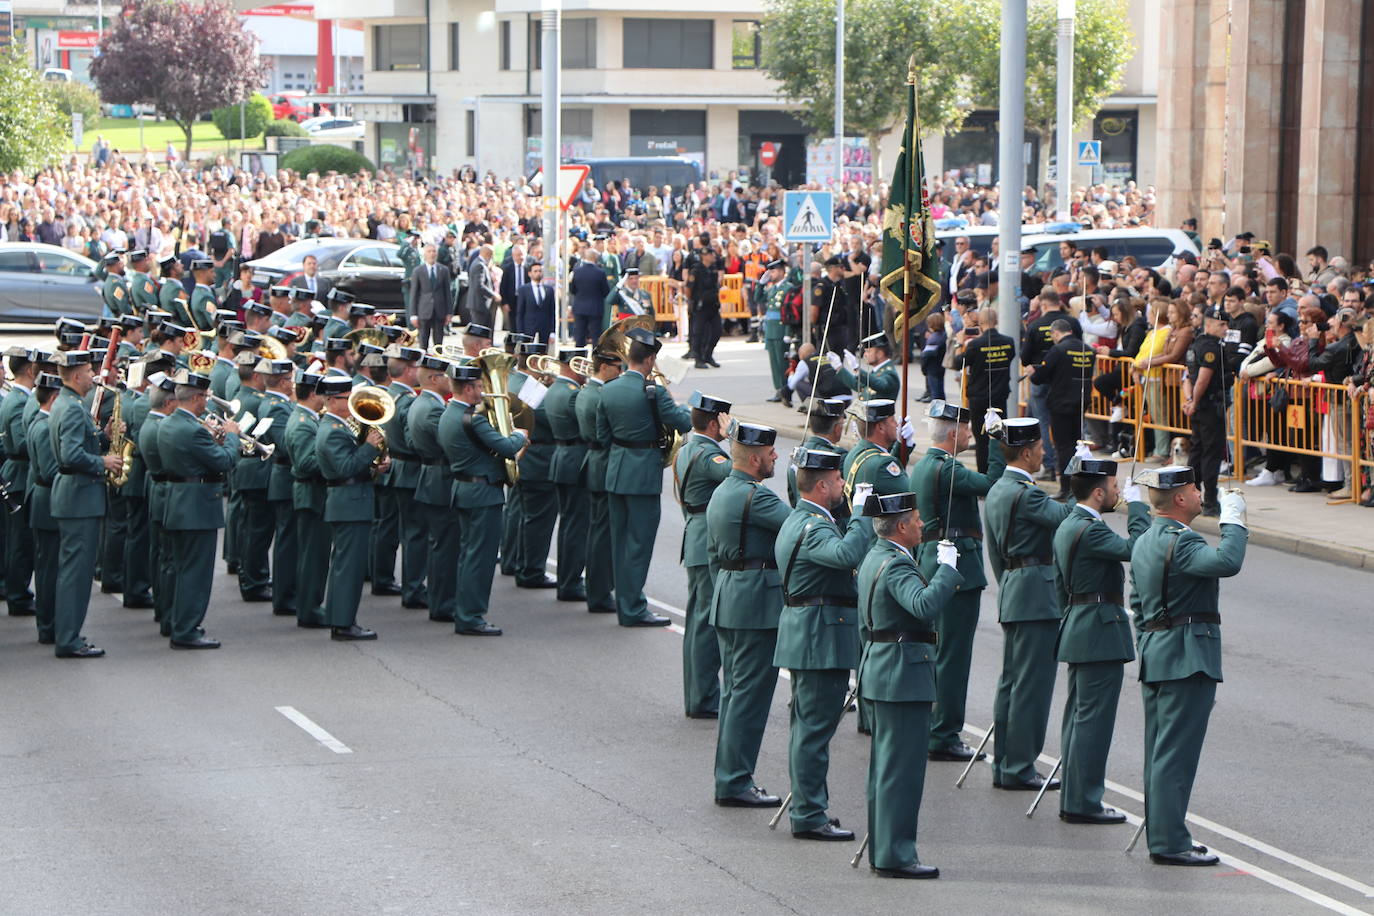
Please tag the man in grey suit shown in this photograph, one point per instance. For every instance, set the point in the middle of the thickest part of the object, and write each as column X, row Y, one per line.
column 427, row 304
column 481, row 289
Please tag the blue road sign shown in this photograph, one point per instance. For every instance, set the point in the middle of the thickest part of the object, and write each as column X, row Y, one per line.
column 808, row 216
column 1090, row 152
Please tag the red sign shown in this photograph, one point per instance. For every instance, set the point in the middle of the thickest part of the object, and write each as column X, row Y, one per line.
column 70, row 40
column 283, row 9
column 570, row 179
column 768, row 153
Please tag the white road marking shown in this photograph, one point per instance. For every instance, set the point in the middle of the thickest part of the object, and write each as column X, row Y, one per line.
column 313, row 730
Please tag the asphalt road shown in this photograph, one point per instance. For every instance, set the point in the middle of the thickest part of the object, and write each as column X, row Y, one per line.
column 552, row 771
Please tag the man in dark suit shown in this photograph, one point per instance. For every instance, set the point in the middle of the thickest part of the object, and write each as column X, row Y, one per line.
column 309, row 278
column 515, row 273
column 535, row 305
column 427, row 305
column 589, row 289
column 481, row 289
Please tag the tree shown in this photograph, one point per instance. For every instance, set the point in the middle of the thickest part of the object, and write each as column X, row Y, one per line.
column 184, row 60
column 326, row 158
column 32, row 132
column 880, row 38
column 256, row 115
column 1102, row 46
column 74, row 98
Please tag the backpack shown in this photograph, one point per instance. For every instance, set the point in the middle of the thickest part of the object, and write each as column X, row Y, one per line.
column 791, row 306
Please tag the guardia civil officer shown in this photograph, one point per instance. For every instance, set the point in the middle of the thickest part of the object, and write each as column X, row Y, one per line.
column 1095, row 636
column 399, row 525
column 742, row 523
column 877, row 377
column 143, row 291
column 115, row 289
column 1204, row 401
column 825, row 429
column 512, row 512
column 538, row 503
column 630, row 417
column 600, row 574
column 137, row 554
column 901, row 609
column 701, row 464
column 818, row 631
column 1021, row 522
column 42, row 472
column 254, row 524
column 204, row 301
column 434, row 490
column 19, row 563
column 161, row 402
column 1174, row 593
column 947, row 493
column 568, row 476
column 276, row 406
column 308, row 500
column 771, row 291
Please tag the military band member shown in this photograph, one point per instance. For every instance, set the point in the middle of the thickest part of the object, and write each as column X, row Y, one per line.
column 477, row 454
column 170, row 338
column 245, row 346
column 600, row 574
column 196, row 461
column 371, row 367
column 512, row 513
column 143, row 291
column 19, row 562
column 629, row 419
column 1174, row 593
column 114, row 291
column 339, row 359
column 42, row 472
column 251, row 476
column 742, row 521
column 347, row 466
column 538, row 495
column 399, row 522
column 818, row 631
column 131, row 342
column 308, row 499
column 1095, row 637
column 341, row 317
column 279, row 301
column 171, row 294
column 947, row 494
column 566, row 472
column 434, row 490
column 137, row 553
column 302, row 315
column 1021, row 521
column 476, row 338
column 901, row 608
column 276, row 406
column 701, row 464
column 877, row 376
column 825, row 428
column 204, row 301
column 162, row 402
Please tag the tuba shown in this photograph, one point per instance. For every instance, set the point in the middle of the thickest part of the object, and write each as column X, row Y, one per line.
column 496, row 365
column 271, row 348
column 371, row 406
column 613, row 340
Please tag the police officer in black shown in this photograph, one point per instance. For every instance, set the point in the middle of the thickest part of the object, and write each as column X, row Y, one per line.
column 1204, row 400
column 1067, row 376
column 704, row 292
column 987, row 358
column 830, row 305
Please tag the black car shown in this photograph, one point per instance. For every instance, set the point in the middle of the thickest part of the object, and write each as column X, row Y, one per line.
column 371, row 270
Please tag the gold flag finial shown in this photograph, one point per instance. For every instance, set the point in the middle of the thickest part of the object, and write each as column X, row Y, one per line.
column 911, row 70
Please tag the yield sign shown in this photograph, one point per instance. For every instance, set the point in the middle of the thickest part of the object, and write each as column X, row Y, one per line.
column 570, row 179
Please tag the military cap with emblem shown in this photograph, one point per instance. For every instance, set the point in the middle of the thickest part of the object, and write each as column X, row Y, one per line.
column 257, row 308
column 752, row 434
column 464, row 372
column 337, row 345
column 646, row 337
column 1090, row 467
column 68, row 326
column 283, row 334
column 300, row 294
column 42, row 356
column 372, row 360
column 631, row 271
column 776, row 264
column 361, row 310
column 532, row 348
column 162, row 380
column 708, row 403
column 478, row 330
column 334, row 385
column 130, row 322
column 1021, row 431
column 98, row 343
column 18, row 353
column 1166, row 478
column 154, row 317
column 246, row 358
column 273, row 366
column 814, row 459
column 944, row 410
column 514, row 340
column 568, row 354
column 167, row 262
column 392, row 332
column 829, row 407
column 246, row 339
column 307, row 377
column 279, row 291
column 138, row 254
column 368, row 349
column 877, row 340
column 114, row 254
column 193, row 379
column 105, row 322
column 48, row 381
column 160, row 360
column 202, row 264
column 432, row 362
column 891, row 504
column 222, row 315
column 339, row 296
column 873, row 411
column 396, row 351
column 172, row 329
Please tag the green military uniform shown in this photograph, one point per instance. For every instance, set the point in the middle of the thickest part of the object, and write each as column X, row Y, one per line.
column 742, row 522
column 770, row 298
column 1174, row 597
column 254, row 523
column 410, row 259
column 625, row 425
column 1022, row 519
column 600, row 562
column 635, row 301
column 334, row 327
column 538, row 503
column 818, row 642
column 204, row 302
column 114, row 292
column 700, row 467
column 513, row 515
column 566, row 472
column 312, row 534
column 434, row 503
column 42, row 472
column 138, row 564
column 813, row 443
column 171, row 298
column 159, row 544
column 953, row 515
column 902, row 608
column 115, row 528
column 1095, row 642
column 346, row 467
column 15, row 473
column 610, row 266
column 399, row 522
column 192, row 513
column 881, row 381
column 280, row 503
column 78, row 504
column 143, row 291
column 476, row 453
column 222, row 373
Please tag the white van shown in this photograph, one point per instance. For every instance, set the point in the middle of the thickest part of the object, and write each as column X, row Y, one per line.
column 1156, row 248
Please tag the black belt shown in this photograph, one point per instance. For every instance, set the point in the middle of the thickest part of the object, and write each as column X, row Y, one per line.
column 1169, row 623
column 73, row 472
column 1023, row 562
column 819, row 600
column 932, row 533
column 473, row 478
column 349, row 481
column 45, row 484
column 543, row 441
column 736, row 565
column 693, row 510
column 595, row 447
column 22, row 459
column 433, row 463
column 402, row 456
column 1096, row 598
column 577, row 441
column 313, row 478
column 284, row 461
column 927, row 636
column 636, row 443
column 158, row 478
column 204, row 478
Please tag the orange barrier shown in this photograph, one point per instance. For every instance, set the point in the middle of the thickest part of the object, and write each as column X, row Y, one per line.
column 667, row 302
column 1364, row 441
column 732, row 304
column 1316, row 419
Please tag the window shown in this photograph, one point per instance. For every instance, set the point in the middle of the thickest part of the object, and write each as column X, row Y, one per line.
column 745, row 45
column 471, row 131
column 399, row 47
column 579, row 44
column 669, row 44
column 367, row 257
column 505, row 44
column 535, row 54
column 577, row 122
column 453, row 46
column 15, row 262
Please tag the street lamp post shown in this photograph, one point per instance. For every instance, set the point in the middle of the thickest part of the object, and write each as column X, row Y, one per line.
column 1011, row 166
column 1064, row 116
column 839, row 95
column 551, row 127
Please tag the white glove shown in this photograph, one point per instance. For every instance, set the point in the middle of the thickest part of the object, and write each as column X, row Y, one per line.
column 1130, row 492
column 851, row 362
column 907, row 432
column 1232, row 508
column 1082, row 451
column 992, row 422
column 861, row 493
column 947, row 554
column 833, row 359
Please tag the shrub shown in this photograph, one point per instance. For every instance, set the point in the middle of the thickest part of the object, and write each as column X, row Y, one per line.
column 326, row 158
column 257, row 113
column 74, row 97
column 284, row 127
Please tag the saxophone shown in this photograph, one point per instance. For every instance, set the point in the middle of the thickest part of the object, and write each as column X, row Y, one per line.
column 120, row 444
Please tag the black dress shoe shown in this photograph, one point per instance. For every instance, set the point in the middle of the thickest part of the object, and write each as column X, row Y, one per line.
column 1030, row 785
column 200, row 642
column 576, row 594
column 110, row 589
column 1183, row 858
column 1303, row 485
column 541, row 582
column 752, row 797
column 419, row 604
column 831, row 830
column 257, row 595
column 956, row 753
column 708, row 714
column 385, row 591
column 601, row 609
column 863, row 730
column 231, row 568
column 441, row 618
column 712, row 361
column 138, row 603
column 775, row 399
column 1198, row 847
column 83, row 652
column 24, row 610
column 701, row 364
column 284, row 611
column 917, row 871
column 485, row 629
column 352, row 634
column 46, row 641
column 648, row 620
column 1105, row 816
column 312, row 625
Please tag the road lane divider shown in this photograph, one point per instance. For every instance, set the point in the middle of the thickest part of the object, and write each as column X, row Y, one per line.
column 310, row 728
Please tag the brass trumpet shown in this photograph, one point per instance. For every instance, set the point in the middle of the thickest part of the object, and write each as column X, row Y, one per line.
column 249, row 446
column 543, row 364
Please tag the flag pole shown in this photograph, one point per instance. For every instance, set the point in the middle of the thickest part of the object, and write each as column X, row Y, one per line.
column 907, row 284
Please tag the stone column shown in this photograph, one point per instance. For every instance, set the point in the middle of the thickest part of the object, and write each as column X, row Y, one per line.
column 1253, row 119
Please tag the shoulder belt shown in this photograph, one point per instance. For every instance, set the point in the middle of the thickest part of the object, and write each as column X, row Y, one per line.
column 1011, row 520
column 687, row 478
column 744, row 522
column 857, row 465
column 796, row 548
column 650, row 395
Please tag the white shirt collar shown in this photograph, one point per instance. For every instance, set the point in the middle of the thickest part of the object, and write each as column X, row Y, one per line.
column 157, row 413
column 824, row 511
column 1091, row 511
column 276, row 394
column 457, row 400
column 405, row 386
column 205, row 286
column 313, row 413
column 596, row 381
column 436, row 395
column 1025, row 474
column 24, row 388
column 188, row 413
column 899, row 547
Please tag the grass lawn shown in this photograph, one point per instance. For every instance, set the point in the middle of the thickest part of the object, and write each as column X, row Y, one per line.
column 123, row 136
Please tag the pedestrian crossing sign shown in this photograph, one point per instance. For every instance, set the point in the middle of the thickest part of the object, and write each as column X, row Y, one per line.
column 808, row 216
column 1090, row 152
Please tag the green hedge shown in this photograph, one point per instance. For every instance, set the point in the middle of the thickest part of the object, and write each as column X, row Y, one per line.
column 285, row 127
column 326, row 158
column 75, row 97
column 257, row 114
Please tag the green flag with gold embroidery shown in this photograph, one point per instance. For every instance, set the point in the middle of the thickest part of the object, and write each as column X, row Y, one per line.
column 911, row 274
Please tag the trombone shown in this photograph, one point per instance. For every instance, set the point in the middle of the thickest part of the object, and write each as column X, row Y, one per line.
column 249, row 445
